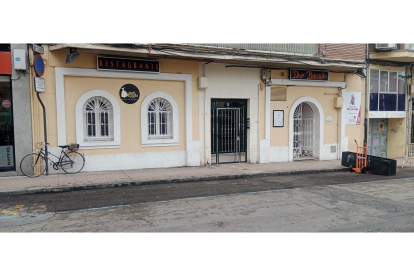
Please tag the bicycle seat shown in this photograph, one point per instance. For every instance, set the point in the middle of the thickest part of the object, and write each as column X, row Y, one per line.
column 63, row 147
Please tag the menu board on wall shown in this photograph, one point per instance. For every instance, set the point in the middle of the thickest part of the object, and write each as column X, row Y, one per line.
column 352, row 107
column 278, row 117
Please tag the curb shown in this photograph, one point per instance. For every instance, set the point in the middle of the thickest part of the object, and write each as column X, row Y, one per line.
column 162, row 181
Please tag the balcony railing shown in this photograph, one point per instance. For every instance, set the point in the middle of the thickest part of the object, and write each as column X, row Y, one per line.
column 302, row 49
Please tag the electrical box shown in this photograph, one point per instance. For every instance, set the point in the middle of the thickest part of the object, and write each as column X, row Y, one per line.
column 264, row 74
column 203, row 82
column 338, row 102
column 19, row 59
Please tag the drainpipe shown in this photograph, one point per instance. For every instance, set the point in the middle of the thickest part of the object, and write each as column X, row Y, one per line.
column 408, row 105
column 367, row 94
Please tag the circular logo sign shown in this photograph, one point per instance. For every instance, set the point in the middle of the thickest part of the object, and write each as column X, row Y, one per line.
column 6, row 103
column 39, row 66
column 129, row 93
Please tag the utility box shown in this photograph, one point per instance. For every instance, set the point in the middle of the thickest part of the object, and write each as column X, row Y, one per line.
column 203, row 82
column 19, row 59
column 338, row 102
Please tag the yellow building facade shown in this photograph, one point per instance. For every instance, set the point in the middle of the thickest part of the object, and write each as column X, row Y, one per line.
column 191, row 113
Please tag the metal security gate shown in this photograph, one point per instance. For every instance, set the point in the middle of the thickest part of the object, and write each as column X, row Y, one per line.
column 303, row 132
column 228, row 131
column 378, row 137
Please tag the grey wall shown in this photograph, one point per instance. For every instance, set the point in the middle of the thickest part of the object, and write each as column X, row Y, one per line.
column 21, row 113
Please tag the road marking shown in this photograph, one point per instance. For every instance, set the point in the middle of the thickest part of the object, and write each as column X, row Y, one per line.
column 15, row 211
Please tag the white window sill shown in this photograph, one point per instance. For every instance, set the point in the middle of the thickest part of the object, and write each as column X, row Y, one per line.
column 100, row 145
column 160, row 143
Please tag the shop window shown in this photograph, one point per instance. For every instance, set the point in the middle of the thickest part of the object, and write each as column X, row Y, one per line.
column 6, row 125
column 159, row 120
column 98, row 120
column 387, row 90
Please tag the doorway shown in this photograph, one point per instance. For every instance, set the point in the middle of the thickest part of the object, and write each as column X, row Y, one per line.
column 303, row 132
column 378, row 137
column 228, row 131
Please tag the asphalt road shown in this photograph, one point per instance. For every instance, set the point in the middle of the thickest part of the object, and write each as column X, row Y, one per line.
column 325, row 202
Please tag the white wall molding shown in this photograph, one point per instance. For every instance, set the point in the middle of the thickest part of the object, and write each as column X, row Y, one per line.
column 61, row 72
column 264, row 151
column 144, row 121
column 339, row 84
column 80, row 135
column 267, row 113
column 319, row 123
column 279, row 154
column 387, row 114
column 327, row 154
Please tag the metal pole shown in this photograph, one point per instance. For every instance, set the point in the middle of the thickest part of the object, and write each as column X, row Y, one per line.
column 367, row 94
column 44, row 122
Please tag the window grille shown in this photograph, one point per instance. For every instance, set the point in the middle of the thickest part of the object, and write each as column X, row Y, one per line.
column 160, row 119
column 98, row 120
column 278, row 94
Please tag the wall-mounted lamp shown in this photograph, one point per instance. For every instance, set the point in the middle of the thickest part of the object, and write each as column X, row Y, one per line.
column 361, row 72
column 72, row 55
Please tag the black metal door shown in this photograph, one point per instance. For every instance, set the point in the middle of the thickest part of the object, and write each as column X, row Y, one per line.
column 228, row 131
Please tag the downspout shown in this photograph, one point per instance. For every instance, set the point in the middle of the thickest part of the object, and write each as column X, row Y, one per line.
column 258, row 123
column 408, row 100
column 367, row 94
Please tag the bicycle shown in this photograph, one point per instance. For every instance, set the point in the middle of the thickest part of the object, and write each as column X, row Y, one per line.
column 71, row 161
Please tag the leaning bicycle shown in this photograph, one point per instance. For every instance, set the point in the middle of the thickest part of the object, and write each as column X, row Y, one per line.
column 70, row 160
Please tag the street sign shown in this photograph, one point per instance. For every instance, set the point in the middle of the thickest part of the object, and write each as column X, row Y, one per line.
column 38, row 49
column 39, row 66
column 39, row 85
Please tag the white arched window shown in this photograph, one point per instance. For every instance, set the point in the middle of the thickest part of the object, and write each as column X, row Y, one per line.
column 98, row 120
column 159, row 120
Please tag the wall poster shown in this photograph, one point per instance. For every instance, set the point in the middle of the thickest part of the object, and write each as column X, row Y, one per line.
column 278, row 117
column 352, row 107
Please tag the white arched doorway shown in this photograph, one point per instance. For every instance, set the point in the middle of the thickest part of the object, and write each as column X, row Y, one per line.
column 305, row 129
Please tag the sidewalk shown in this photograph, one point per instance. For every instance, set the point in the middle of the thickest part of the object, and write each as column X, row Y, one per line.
column 96, row 180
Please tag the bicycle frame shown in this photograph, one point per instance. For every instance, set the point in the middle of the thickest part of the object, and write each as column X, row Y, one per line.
column 54, row 164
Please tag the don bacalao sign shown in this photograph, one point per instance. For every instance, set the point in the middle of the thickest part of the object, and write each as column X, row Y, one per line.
column 352, row 104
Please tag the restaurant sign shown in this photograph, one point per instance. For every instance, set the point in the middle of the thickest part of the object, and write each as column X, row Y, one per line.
column 127, row 64
column 306, row 74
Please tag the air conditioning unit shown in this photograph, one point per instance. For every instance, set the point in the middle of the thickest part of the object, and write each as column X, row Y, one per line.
column 385, row 46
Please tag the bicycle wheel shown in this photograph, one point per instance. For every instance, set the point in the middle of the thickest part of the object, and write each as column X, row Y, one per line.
column 33, row 165
column 72, row 162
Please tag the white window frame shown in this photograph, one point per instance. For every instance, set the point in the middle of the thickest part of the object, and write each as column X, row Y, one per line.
column 145, row 140
column 80, row 130
column 387, row 91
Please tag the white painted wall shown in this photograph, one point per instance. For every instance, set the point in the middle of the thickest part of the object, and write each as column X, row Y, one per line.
column 230, row 83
